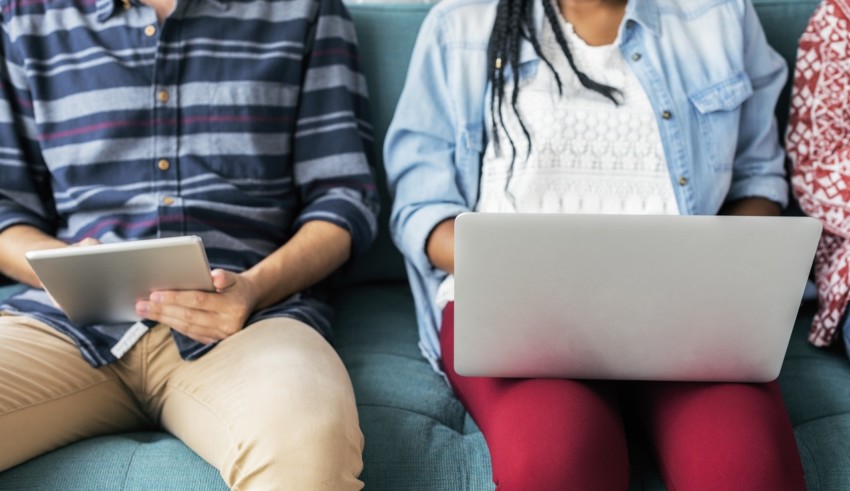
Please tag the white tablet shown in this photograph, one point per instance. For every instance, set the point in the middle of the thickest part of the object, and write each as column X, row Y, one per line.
column 100, row 284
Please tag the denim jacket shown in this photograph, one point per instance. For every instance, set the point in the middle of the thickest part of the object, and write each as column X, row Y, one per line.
column 705, row 65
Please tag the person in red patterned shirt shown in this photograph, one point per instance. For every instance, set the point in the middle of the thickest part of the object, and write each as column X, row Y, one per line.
column 818, row 144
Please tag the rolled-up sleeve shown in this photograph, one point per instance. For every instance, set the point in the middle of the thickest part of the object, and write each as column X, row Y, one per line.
column 419, row 152
column 759, row 167
column 333, row 142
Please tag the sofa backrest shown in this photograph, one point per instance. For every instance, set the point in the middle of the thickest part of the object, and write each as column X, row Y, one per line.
column 387, row 32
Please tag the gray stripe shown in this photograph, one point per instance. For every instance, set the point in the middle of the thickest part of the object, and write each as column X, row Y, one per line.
column 234, row 55
column 253, row 94
column 237, row 144
column 236, row 44
column 30, row 130
column 336, row 115
column 17, row 75
column 92, row 102
column 6, row 115
column 334, row 26
column 11, row 163
column 192, row 94
column 201, row 144
column 325, row 129
column 105, row 60
column 332, row 166
column 97, row 151
column 260, row 10
column 69, row 201
column 11, row 151
column 124, row 53
column 71, row 198
column 335, row 76
column 228, row 186
column 247, row 181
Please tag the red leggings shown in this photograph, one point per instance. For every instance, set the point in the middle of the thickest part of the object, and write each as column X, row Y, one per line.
column 557, row 434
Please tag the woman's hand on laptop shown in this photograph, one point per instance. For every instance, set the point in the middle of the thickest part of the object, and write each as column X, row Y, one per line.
column 206, row 317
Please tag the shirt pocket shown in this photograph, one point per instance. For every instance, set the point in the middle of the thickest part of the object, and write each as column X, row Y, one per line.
column 249, row 132
column 718, row 109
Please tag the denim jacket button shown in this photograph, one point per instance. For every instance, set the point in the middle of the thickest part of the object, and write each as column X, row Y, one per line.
column 683, row 181
column 666, row 115
column 636, row 56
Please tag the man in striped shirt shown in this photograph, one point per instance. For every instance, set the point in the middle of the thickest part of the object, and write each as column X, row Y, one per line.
column 243, row 122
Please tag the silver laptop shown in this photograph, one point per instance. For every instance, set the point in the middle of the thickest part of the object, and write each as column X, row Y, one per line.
column 698, row 298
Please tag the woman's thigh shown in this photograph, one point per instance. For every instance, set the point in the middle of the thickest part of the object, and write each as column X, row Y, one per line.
column 720, row 435
column 544, row 433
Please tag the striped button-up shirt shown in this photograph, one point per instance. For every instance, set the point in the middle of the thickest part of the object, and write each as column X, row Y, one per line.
column 237, row 121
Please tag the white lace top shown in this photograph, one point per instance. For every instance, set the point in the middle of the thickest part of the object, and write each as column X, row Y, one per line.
column 587, row 154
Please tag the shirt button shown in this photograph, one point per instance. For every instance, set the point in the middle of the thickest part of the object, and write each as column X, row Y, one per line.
column 162, row 95
column 163, row 164
column 666, row 115
column 150, row 30
column 168, row 201
column 636, row 56
column 683, row 181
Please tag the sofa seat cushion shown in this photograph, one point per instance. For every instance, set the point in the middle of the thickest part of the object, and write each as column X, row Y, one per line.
column 415, row 429
column 144, row 460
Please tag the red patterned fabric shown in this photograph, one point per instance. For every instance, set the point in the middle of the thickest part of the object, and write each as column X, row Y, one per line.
column 818, row 143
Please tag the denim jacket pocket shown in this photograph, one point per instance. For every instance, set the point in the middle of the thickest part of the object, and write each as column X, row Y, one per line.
column 718, row 108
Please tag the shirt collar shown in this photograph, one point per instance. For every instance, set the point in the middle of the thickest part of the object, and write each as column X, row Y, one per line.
column 645, row 13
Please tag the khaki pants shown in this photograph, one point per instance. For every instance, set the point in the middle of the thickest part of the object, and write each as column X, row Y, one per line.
column 270, row 407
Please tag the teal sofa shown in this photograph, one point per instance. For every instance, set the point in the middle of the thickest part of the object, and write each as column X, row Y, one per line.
column 418, row 436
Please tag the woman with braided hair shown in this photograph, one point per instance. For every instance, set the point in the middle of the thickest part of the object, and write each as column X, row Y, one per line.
column 592, row 106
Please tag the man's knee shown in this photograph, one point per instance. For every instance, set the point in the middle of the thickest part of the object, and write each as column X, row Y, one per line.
column 319, row 449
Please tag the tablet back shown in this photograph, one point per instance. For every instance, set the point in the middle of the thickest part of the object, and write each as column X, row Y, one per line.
column 628, row 297
column 100, row 284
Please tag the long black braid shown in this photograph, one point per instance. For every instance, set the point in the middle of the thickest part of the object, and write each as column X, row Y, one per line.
column 515, row 23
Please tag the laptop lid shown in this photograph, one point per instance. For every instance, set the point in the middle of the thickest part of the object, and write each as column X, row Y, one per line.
column 699, row 298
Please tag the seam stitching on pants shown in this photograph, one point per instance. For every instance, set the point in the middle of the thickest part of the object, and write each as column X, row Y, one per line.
column 47, row 401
